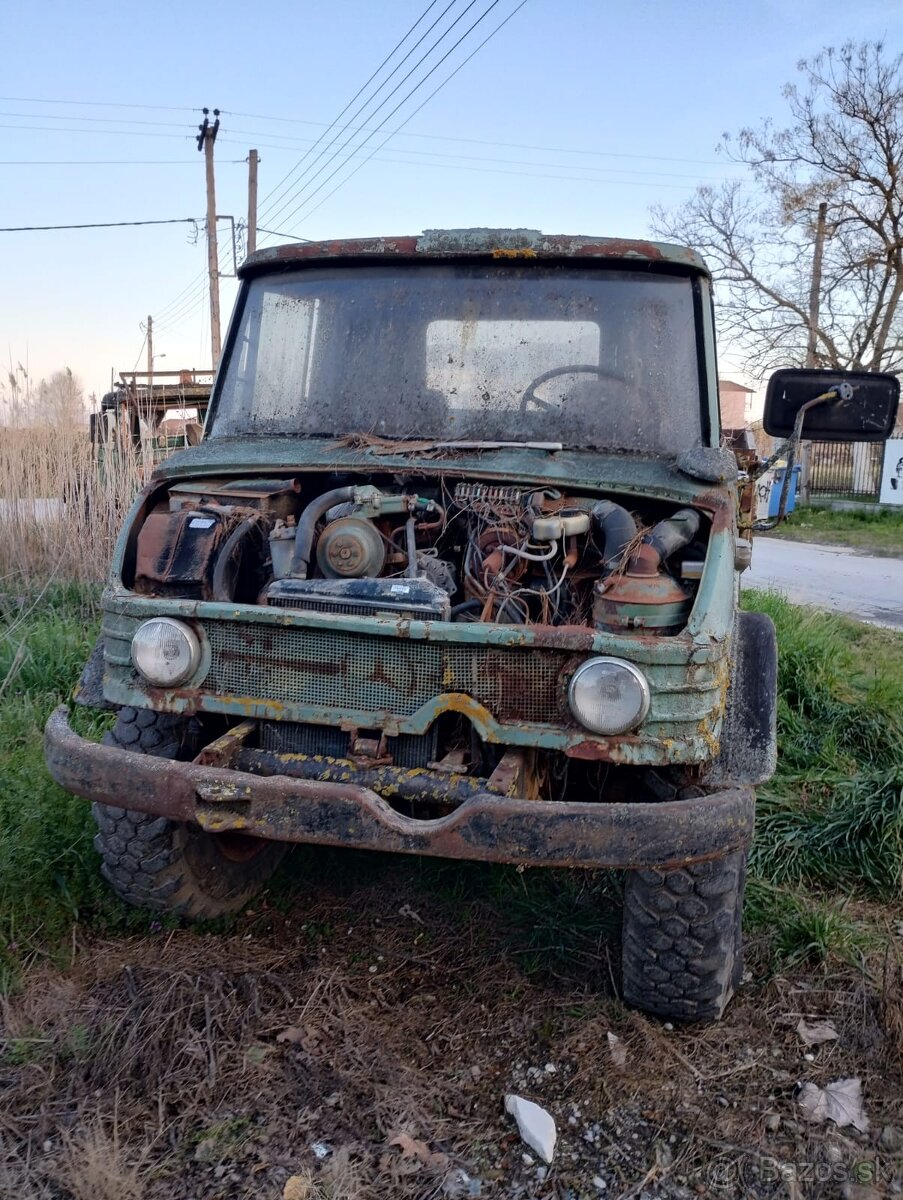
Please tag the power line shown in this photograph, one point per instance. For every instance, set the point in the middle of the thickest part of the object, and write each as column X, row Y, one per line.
column 271, row 209
column 99, row 225
column 439, row 137
column 400, row 104
column 97, row 120
column 323, row 124
column 101, row 104
column 282, row 233
column 335, row 121
column 102, row 132
column 422, row 105
column 108, row 162
column 479, row 158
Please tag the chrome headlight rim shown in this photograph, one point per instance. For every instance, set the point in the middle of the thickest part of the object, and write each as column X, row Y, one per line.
column 197, row 656
column 638, row 677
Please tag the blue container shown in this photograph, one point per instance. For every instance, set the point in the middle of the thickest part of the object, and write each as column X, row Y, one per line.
column 774, row 500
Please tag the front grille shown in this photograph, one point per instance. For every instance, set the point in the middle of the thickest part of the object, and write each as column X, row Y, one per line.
column 408, row 750
column 357, row 672
column 354, row 608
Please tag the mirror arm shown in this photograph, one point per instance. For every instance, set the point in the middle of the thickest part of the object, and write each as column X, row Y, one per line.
column 789, row 447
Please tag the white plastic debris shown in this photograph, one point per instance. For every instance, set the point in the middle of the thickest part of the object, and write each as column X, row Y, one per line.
column 617, row 1050
column 535, row 1125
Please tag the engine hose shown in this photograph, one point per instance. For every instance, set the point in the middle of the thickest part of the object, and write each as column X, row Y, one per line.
column 307, row 524
column 222, row 585
column 674, row 533
column 617, row 527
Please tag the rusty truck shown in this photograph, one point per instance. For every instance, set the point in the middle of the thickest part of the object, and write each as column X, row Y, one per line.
column 454, row 571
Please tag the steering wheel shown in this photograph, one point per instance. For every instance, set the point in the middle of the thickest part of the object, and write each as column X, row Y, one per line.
column 530, row 396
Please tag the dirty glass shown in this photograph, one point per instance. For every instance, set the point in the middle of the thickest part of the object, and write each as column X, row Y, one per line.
column 569, row 354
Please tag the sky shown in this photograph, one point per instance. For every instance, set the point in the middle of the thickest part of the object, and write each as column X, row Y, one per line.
column 575, row 117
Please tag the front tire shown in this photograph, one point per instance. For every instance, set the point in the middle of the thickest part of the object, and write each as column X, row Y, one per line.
column 172, row 866
column 682, row 946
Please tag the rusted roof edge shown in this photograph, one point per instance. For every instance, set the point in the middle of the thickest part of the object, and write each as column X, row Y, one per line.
column 504, row 244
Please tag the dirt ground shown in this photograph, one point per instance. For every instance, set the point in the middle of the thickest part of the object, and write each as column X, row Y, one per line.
column 354, row 1037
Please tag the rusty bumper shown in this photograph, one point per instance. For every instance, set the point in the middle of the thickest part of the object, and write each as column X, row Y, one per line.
column 484, row 826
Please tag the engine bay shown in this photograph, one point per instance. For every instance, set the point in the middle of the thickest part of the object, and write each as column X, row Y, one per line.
column 439, row 549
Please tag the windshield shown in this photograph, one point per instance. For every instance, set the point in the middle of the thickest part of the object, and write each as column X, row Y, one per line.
column 568, row 354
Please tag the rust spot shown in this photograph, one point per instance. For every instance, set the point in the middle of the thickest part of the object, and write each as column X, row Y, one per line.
column 721, row 506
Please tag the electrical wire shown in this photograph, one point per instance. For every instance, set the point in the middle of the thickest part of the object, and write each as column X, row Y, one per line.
column 483, row 159
column 422, row 105
column 271, row 211
column 110, row 162
column 362, row 129
column 404, row 99
column 100, row 104
column 336, row 120
column 100, row 225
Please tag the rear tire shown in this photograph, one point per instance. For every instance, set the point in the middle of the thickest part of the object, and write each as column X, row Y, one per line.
column 171, row 866
column 682, row 945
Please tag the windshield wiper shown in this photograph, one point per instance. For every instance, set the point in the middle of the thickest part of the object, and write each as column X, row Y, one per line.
column 415, row 446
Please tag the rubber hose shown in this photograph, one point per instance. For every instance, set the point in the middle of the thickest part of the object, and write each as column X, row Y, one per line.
column 674, row 533
column 307, row 524
column 617, row 527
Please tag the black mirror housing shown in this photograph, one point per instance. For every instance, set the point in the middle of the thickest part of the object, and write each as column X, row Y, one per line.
column 865, row 410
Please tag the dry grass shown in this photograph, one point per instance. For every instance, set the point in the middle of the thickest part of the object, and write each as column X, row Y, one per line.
column 184, row 1064
column 60, row 511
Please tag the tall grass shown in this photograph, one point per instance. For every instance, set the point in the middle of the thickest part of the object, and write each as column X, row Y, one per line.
column 60, row 510
column 833, row 814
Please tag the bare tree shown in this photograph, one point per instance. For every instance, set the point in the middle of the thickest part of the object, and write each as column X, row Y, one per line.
column 843, row 147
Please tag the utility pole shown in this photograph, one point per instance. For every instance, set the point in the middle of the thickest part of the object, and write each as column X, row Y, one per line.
column 150, row 359
column 818, row 254
column 253, row 160
column 206, row 138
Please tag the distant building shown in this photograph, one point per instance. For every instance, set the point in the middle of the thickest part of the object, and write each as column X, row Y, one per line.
column 734, row 401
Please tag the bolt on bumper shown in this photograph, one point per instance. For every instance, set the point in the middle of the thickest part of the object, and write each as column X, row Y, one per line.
column 484, row 826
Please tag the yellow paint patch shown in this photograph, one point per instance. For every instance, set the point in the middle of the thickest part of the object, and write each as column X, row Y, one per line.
column 525, row 253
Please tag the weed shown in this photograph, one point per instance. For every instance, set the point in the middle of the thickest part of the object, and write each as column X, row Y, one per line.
column 877, row 530
column 802, row 928
column 833, row 814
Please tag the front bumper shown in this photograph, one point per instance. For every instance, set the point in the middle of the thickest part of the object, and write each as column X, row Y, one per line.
column 484, row 826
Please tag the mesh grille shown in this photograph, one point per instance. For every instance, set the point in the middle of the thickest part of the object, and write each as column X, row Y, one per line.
column 357, row 610
column 377, row 674
column 286, row 737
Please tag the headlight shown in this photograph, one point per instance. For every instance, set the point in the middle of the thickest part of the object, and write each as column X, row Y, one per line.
column 165, row 651
column 608, row 695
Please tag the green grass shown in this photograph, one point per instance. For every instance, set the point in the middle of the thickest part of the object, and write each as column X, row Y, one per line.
column 833, row 814
column 49, row 879
column 829, row 824
column 877, row 531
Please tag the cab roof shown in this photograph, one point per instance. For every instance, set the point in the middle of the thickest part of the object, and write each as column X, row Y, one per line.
column 474, row 243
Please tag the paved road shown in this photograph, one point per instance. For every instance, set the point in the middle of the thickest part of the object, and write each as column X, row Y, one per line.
column 830, row 577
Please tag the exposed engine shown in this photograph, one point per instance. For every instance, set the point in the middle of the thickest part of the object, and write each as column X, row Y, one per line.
column 468, row 551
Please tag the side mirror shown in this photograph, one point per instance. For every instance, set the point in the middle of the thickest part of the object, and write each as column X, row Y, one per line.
column 862, row 409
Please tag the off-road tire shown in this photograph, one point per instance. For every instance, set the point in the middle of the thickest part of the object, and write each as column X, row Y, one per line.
column 171, row 866
column 682, row 945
